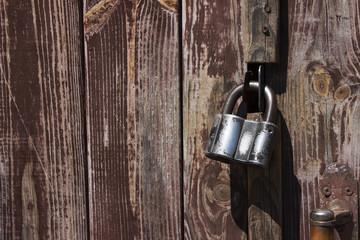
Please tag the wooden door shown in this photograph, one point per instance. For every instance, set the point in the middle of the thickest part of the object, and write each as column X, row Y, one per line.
column 106, row 108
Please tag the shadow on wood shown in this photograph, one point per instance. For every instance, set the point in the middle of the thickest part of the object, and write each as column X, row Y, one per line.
column 271, row 216
column 239, row 195
column 291, row 192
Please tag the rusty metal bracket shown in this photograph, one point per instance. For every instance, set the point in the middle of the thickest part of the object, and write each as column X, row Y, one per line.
column 339, row 193
column 261, row 25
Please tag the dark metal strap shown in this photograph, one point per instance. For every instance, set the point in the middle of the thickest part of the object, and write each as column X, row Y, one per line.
column 246, row 91
column 249, row 76
column 261, row 80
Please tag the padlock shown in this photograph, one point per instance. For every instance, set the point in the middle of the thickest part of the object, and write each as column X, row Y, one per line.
column 234, row 139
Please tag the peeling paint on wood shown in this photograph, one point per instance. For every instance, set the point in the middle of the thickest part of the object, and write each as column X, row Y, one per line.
column 213, row 65
column 42, row 182
column 133, row 118
column 322, row 114
column 133, row 123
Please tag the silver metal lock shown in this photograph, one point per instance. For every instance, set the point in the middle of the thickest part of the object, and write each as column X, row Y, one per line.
column 235, row 139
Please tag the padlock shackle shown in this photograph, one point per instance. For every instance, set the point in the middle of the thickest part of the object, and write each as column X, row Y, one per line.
column 270, row 100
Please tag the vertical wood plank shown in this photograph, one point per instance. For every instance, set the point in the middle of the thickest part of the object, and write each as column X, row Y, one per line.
column 213, row 64
column 321, row 104
column 265, row 195
column 133, row 119
column 42, row 183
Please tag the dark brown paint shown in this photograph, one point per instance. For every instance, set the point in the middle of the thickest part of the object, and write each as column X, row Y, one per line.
column 42, row 157
column 133, row 116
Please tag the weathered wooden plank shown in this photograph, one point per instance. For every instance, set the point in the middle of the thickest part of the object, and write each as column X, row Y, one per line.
column 265, row 195
column 320, row 105
column 42, row 183
column 213, row 64
column 133, row 119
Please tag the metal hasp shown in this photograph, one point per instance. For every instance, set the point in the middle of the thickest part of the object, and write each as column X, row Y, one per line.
column 260, row 32
column 234, row 139
column 339, row 205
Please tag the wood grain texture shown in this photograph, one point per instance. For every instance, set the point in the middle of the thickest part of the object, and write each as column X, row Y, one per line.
column 320, row 105
column 213, row 64
column 260, row 21
column 133, row 119
column 42, row 183
column 265, row 195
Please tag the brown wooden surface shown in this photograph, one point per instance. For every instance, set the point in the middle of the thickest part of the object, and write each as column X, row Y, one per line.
column 213, row 64
column 317, row 82
column 133, row 119
column 42, row 183
column 265, row 195
column 321, row 104
column 260, row 45
column 133, row 103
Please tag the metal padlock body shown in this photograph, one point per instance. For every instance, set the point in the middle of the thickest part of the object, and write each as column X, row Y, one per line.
column 235, row 139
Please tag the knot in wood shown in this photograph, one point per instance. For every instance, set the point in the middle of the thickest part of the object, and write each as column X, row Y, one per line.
column 221, row 192
column 342, row 93
column 321, row 82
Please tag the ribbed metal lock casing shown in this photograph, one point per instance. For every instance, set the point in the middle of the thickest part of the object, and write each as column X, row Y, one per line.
column 235, row 139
